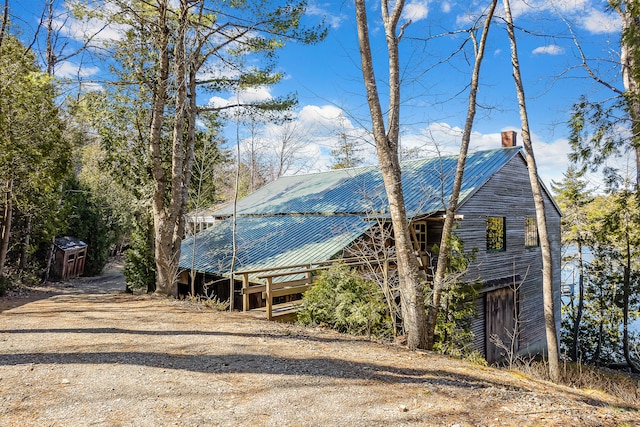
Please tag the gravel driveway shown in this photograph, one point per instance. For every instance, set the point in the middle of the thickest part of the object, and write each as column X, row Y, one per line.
column 85, row 354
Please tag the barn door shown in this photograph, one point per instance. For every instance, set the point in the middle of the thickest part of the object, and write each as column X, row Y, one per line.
column 500, row 318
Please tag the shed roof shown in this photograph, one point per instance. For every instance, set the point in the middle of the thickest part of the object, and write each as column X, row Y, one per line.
column 66, row 243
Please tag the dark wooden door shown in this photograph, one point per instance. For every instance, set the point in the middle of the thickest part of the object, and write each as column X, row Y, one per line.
column 500, row 318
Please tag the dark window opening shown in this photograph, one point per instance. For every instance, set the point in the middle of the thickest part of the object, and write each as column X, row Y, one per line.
column 420, row 229
column 531, row 238
column 496, row 234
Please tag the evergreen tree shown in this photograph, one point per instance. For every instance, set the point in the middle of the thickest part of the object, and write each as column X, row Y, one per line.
column 573, row 197
column 34, row 156
column 167, row 48
column 345, row 155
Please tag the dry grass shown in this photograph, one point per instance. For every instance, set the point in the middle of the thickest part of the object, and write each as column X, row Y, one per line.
column 622, row 385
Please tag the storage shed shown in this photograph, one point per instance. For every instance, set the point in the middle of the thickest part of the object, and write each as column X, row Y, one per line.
column 69, row 257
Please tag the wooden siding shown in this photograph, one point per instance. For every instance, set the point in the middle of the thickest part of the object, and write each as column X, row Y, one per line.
column 508, row 193
column 69, row 263
column 500, row 323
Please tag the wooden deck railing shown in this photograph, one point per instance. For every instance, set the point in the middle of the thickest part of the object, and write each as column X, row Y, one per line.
column 301, row 279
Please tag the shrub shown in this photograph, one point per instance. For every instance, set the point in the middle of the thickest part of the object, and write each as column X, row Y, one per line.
column 139, row 261
column 453, row 334
column 213, row 303
column 343, row 300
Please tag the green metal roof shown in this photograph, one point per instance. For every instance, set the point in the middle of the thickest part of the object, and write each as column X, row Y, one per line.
column 426, row 183
column 311, row 218
column 270, row 241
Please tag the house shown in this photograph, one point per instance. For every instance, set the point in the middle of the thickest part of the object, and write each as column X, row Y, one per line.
column 68, row 257
column 307, row 219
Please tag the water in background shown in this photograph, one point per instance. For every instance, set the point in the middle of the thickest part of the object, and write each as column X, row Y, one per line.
column 569, row 278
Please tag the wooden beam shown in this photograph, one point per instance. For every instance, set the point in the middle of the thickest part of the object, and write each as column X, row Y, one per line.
column 245, row 296
column 289, row 291
column 269, row 299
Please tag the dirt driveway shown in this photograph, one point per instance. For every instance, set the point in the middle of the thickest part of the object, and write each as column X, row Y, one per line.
column 86, row 354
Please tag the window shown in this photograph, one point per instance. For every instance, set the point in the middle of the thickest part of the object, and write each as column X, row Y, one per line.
column 531, row 238
column 496, row 234
column 420, row 230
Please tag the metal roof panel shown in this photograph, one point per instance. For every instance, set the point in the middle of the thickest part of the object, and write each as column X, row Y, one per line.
column 270, row 241
column 427, row 185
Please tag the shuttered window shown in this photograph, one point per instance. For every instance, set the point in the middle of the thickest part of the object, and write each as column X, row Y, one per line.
column 496, row 234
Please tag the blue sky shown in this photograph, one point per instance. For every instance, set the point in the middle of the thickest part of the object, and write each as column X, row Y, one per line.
column 328, row 82
column 327, row 77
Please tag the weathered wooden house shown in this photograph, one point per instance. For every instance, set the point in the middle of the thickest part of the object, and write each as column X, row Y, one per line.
column 69, row 257
column 297, row 223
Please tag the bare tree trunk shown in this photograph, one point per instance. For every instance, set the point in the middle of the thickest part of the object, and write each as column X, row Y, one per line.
column 171, row 225
column 412, row 280
column 148, row 218
column 26, row 242
column 234, row 223
column 193, row 110
column 578, row 319
column 630, row 60
column 51, row 58
column 5, row 19
column 5, row 230
column 163, row 259
column 443, row 254
column 596, row 353
column 626, row 295
column 545, row 246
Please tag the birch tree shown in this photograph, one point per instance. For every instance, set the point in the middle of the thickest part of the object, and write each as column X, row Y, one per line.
column 444, row 253
column 412, row 279
column 547, row 271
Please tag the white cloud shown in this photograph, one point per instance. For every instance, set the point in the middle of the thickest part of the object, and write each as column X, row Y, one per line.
column 552, row 49
column 68, row 69
column 598, row 22
column 334, row 21
column 217, row 101
column 255, row 94
column 247, row 96
column 322, row 118
column 320, row 127
column 96, row 29
column 566, row 5
column 415, row 11
column 445, row 7
column 443, row 139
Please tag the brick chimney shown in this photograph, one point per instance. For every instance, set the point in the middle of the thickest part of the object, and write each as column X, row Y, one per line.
column 509, row 138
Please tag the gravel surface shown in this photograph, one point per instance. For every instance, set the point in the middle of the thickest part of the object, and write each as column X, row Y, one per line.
column 83, row 353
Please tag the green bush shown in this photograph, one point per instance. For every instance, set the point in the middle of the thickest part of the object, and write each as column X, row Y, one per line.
column 139, row 262
column 89, row 219
column 453, row 335
column 343, row 300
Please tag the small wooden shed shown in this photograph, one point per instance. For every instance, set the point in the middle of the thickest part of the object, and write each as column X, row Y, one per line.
column 69, row 257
